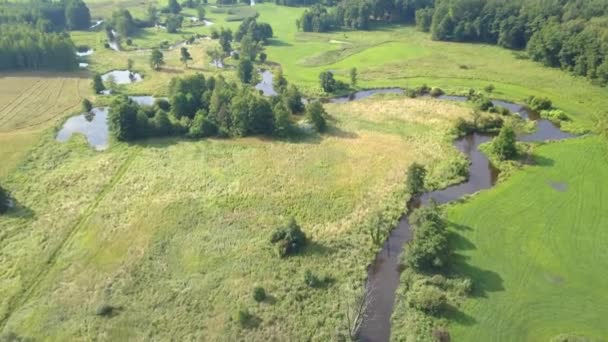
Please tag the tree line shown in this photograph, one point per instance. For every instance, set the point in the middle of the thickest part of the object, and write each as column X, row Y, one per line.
column 47, row 15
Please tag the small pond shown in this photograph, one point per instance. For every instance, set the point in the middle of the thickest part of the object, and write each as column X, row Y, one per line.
column 84, row 53
column 83, row 65
column 265, row 84
column 145, row 100
column 122, row 76
column 94, row 126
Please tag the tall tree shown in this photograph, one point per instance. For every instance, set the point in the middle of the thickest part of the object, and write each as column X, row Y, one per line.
column 245, row 70
column 98, row 86
column 174, row 6
column 315, row 113
column 185, row 56
column 156, row 59
column 353, row 77
column 77, row 15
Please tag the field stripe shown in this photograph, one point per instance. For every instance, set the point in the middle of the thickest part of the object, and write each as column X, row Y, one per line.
column 27, row 293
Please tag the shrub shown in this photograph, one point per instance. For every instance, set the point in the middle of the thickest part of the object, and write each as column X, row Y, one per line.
column 436, row 92
column 412, row 93
column 427, row 298
column 504, row 144
column 290, row 239
column 415, row 178
column 429, row 248
column 259, row 294
column 489, row 123
column 464, row 127
column 129, row 42
column 312, row 280
column 105, row 310
column 263, row 57
column 463, row 287
column 555, row 115
column 163, row 104
column 539, row 103
column 87, row 106
column 502, row 110
column 315, row 113
column 328, row 83
column 423, row 89
column 489, row 88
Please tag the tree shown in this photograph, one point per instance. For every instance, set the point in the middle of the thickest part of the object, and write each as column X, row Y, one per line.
column 156, row 59
column 263, row 57
column 185, row 56
column 226, row 41
column 282, row 124
column 249, row 47
column 289, row 239
column 98, row 86
column 489, row 88
column 353, row 77
column 328, row 83
column 293, row 99
column 279, row 82
column 174, row 6
column 315, row 113
column 87, row 106
column 174, row 23
column 77, row 15
column 123, row 119
column 151, row 14
column 504, row 145
column 200, row 11
column 415, row 178
column 429, row 248
column 4, row 200
column 245, row 70
column 123, row 23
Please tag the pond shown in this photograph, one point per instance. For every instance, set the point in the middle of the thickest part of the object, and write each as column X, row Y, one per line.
column 145, row 100
column 94, row 126
column 265, row 84
column 122, row 76
column 84, row 53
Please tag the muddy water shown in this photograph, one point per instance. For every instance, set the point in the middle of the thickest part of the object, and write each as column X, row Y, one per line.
column 383, row 273
column 93, row 126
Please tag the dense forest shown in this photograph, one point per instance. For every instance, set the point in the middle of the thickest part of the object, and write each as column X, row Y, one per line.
column 569, row 34
column 31, row 34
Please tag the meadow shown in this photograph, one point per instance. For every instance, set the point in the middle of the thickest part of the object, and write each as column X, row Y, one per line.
column 533, row 247
column 175, row 234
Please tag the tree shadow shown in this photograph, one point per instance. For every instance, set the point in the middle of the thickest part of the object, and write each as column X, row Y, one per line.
column 484, row 281
column 335, row 131
column 536, row 160
column 278, row 42
column 456, row 315
column 317, row 248
column 459, row 242
column 270, row 299
column 19, row 210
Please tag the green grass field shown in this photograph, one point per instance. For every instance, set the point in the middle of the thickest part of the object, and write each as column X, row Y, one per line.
column 535, row 249
column 175, row 233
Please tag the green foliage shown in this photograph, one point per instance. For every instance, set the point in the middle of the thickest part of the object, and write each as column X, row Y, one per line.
column 289, row 240
column 504, row 145
column 427, row 298
column 200, row 12
column 185, row 56
column 282, row 122
column 263, row 56
column 174, row 23
column 87, row 106
column 415, row 178
column 279, row 82
column 436, row 92
column 123, row 23
column 245, row 70
column 259, row 294
column 246, row 320
column 489, row 88
column 97, row 84
column 555, row 115
column 539, row 104
column 157, row 59
column 293, row 99
column 123, row 119
column 314, row 281
column 429, row 248
column 225, row 37
column 77, row 15
column 174, row 6
column 315, row 113
column 424, row 18
column 328, row 83
column 353, row 77
column 26, row 48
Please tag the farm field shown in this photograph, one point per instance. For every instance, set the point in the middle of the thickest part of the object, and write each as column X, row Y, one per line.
column 533, row 247
column 31, row 103
column 175, row 233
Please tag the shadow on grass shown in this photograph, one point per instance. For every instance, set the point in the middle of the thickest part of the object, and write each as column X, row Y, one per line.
column 18, row 210
column 537, row 160
column 317, row 248
column 278, row 42
column 454, row 314
column 484, row 281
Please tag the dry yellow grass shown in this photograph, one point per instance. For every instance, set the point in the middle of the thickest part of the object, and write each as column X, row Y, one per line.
column 30, row 103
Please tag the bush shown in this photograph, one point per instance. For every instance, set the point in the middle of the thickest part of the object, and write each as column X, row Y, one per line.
column 105, row 310
column 436, row 92
column 290, row 240
column 539, row 103
column 412, row 93
column 87, row 106
column 502, row 110
column 315, row 113
column 423, row 89
column 427, row 298
column 246, row 319
column 489, row 88
column 415, row 178
column 504, row 144
column 259, row 294
column 162, row 104
column 429, row 248
column 555, row 115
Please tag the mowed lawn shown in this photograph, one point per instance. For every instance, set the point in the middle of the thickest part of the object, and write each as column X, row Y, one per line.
column 535, row 247
column 175, row 233
column 31, row 103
